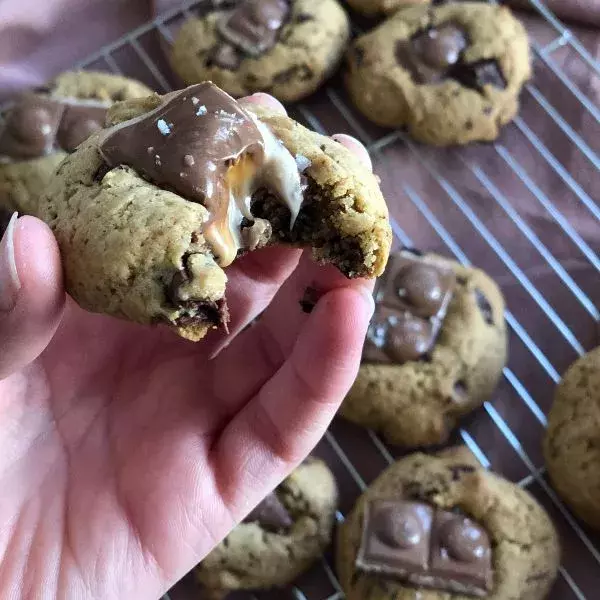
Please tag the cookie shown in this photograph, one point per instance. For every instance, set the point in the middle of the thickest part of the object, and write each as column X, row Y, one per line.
column 451, row 74
column 434, row 351
column 287, row 48
column 571, row 445
column 439, row 527
column 279, row 539
column 45, row 124
column 149, row 212
column 376, row 8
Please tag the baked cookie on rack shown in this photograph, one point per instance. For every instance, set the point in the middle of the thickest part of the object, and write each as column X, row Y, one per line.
column 572, row 442
column 376, row 8
column 450, row 74
column 44, row 125
column 278, row 540
column 287, row 48
column 435, row 349
column 439, row 527
column 149, row 212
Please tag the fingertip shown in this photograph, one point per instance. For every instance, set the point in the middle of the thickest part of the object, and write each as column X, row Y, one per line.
column 355, row 147
column 267, row 101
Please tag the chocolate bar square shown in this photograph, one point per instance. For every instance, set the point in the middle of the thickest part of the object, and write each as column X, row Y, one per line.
column 461, row 555
column 396, row 538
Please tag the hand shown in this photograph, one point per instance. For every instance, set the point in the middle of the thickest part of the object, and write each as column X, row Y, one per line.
column 126, row 453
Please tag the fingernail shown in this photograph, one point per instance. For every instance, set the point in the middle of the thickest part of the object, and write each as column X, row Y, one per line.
column 267, row 101
column 367, row 294
column 355, row 147
column 9, row 276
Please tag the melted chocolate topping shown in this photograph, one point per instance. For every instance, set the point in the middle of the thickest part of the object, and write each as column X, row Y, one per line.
column 203, row 145
column 38, row 125
column 426, row 547
column 270, row 514
column 250, row 29
column 411, row 298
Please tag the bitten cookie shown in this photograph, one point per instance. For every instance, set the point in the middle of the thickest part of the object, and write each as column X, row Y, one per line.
column 150, row 212
column 279, row 539
column 442, row 528
column 45, row 124
column 450, row 74
column 572, row 443
column 434, row 351
column 284, row 47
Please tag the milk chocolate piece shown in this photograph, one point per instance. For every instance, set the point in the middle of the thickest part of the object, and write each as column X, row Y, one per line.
column 411, row 299
column 79, row 121
column 425, row 547
column 203, row 145
column 429, row 55
column 30, row 127
column 270, row 514
column 38, row 125
column 254, row 25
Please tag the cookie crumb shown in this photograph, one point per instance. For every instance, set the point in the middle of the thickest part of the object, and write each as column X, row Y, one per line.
column 310, row 299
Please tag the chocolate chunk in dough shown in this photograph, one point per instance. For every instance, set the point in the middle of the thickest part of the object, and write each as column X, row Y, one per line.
column 426, row 547
column 79, row 121
column 30, row 127
column 429, row 55
column 270, row 514
column 253, row 27
column 411, row 302
column 477, row 75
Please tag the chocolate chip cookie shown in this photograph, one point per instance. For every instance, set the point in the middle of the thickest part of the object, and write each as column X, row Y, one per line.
column 572, row 443
column 449, row 74
column 279, row 539
column 434, row 351
column 284, row 47
column 43, row 125
column 149, row 212
column 440, row 527
column 375, row 8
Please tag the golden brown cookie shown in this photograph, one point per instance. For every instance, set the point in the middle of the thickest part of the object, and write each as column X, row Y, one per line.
column 287, row 48
column 434, row 352
column 150, row 212
column 572, row 442
column 451, row 74
column 439, row 527
column 279, row 539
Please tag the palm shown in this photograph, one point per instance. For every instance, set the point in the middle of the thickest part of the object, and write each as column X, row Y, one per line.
column 126, row 453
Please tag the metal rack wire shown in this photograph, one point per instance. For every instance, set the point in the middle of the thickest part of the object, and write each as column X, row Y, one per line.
column 505, row 434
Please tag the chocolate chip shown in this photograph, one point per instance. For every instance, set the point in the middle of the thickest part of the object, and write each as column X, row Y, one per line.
column 487, row 110
column 173, row 289
column 484, row 306
column 469, row 125
column 119, row 96
column 102, row 170
column 479, row 74
column 304, row 17
column 359, row 54
column 224, row 56
column 460, row 391
column 215, row 313
column 310, row 299
column 300, row 72
column 458, row 470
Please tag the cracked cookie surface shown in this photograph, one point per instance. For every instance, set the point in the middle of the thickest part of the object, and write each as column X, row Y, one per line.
column 23, row 180
column 306, row 51
column 278, row 540
column 450, row 74
column 416, row 399
column 571, row 445
column 524, row 544
column 139, row 251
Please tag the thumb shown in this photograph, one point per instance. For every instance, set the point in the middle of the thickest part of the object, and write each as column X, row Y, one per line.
column 31, row 292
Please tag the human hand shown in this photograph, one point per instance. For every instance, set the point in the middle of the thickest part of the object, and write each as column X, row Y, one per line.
column 126, row 453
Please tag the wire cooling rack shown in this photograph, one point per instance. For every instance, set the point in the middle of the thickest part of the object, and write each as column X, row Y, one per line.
column 525, row 209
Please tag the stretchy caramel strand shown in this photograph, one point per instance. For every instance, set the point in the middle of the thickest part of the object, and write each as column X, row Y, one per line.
column 203, row 145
